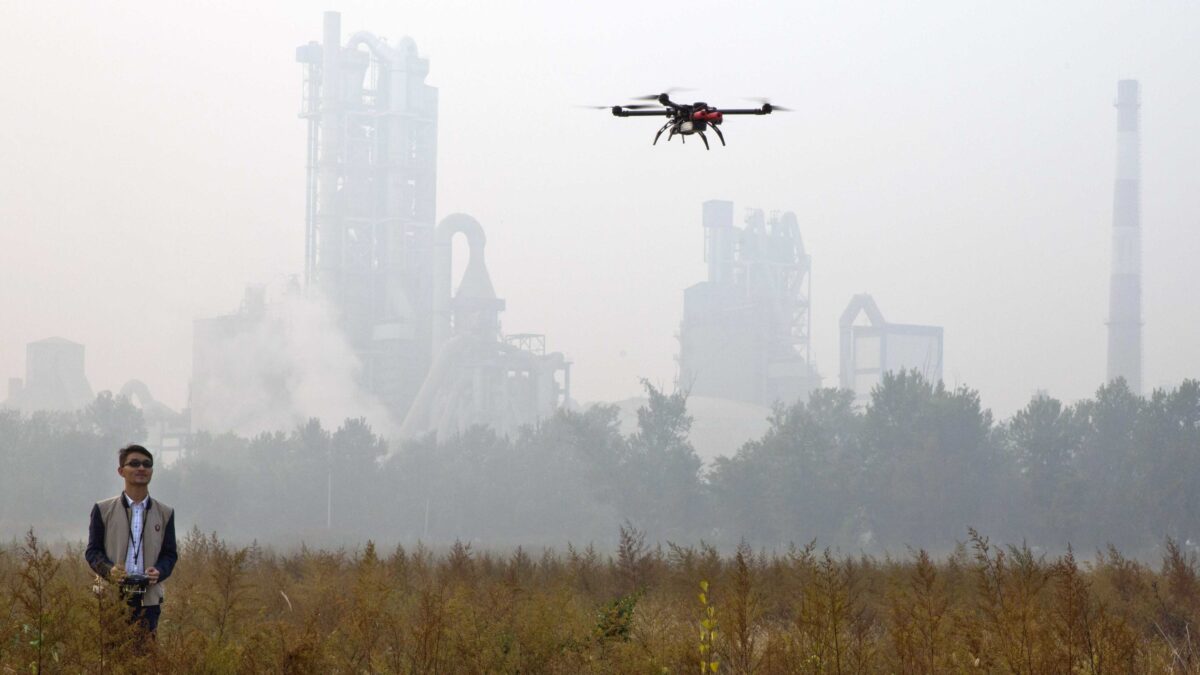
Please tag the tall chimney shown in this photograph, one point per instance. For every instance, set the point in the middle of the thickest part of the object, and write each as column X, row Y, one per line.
column 1125, row 287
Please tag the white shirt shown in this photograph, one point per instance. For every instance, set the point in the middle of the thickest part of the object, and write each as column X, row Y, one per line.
column 135, row 560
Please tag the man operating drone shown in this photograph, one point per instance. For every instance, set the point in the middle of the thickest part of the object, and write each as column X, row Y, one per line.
column 685, row 119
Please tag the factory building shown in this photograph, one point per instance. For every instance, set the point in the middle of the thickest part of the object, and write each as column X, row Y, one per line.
column 745, row 334
column 54, row 378
column 871, row 346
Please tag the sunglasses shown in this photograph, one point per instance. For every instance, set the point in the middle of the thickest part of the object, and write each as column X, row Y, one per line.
column 139, row 463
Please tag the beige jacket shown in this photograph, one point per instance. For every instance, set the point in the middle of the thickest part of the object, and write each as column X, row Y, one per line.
column 108, row 540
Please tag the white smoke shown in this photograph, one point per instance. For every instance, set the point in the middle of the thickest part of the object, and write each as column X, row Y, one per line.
column 273, row 365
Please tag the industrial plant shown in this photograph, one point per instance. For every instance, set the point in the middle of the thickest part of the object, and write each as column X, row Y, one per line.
column 429, row 350
column 432, row 353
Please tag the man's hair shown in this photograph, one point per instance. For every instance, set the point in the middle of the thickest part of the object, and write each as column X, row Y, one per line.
column 126, row 451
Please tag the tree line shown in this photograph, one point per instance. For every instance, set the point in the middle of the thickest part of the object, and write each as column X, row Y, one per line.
column 918, row 465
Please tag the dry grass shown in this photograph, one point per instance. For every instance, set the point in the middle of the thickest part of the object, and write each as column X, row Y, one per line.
column 985, row 609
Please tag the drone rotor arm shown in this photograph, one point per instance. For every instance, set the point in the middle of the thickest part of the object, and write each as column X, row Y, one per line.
column 621, row 111
column 744, row 111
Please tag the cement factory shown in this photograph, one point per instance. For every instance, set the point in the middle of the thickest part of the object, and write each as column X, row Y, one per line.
column 435, row 357
column 430, row 349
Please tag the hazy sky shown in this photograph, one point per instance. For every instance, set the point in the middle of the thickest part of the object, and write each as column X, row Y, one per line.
column 954, row 159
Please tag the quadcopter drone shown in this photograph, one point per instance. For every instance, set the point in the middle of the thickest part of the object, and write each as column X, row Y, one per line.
column 687, row 119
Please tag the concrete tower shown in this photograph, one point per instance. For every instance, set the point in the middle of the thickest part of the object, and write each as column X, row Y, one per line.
column 1125, row 287
column 371, row 195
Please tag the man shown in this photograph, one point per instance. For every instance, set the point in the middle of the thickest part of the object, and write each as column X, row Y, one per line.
column 132, row 534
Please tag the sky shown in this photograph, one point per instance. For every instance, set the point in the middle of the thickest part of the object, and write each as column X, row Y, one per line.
column 953, row 159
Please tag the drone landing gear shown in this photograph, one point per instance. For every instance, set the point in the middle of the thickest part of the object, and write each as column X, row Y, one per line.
column 664, row 128
column 683, row 137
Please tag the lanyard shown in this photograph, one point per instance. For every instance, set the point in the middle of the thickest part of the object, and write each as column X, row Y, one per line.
column 137, row 552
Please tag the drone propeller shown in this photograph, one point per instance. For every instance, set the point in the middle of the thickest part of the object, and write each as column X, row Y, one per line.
column 654, row 97
column 629, row 106
column 766, row 102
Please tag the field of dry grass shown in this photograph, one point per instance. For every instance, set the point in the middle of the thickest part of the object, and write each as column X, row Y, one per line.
column 643, row 609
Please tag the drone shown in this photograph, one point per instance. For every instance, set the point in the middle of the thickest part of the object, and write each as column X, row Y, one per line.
column 686, row 118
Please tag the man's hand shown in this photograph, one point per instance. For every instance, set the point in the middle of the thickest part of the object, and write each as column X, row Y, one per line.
column 153, row 573
column 116, row 574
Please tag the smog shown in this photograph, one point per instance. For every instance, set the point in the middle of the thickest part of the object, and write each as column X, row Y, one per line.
column 362, row 275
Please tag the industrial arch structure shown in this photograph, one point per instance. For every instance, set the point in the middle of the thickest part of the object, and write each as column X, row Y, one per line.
column 871, row 349
column 478, row 376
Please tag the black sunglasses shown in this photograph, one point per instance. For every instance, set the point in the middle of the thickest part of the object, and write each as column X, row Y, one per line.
column 139, row 463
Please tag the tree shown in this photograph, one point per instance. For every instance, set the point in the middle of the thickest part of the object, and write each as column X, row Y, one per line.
column 308, row 474
column 116, row 419
column 791, row 484
column 1167, row 462
column 565, row 478
column 929, row 462
column 1044, row 439
column 660, row 468
column 355, row 452
column 1107, row 465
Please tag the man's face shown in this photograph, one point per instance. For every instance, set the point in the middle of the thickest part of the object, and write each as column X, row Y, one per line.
column 136, row 469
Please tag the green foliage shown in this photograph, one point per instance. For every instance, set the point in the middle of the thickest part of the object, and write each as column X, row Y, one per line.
column 615, row 619
column 709, row 661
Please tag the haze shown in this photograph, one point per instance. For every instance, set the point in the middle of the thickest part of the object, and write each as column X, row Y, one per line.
column 955, row 160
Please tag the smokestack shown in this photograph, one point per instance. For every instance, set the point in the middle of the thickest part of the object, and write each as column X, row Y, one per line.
column 1125, row 288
